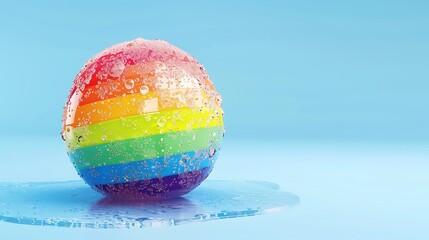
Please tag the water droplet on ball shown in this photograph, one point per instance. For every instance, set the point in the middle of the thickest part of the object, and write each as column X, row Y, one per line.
column 117, row 69
column 144, row 89
column 212, row 151
column 161, row 122
column 129, row 84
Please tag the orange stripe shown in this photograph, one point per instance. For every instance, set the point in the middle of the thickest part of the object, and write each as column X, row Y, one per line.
column 136, row 104
column 142, row 75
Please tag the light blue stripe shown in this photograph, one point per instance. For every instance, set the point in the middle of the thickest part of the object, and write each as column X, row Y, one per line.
column 149, row 168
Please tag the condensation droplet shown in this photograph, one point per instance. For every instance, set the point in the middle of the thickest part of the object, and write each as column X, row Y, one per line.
column 212, row 151
column 103, row 137
column 219, row 99
column 129, row 84
column 144, row 89
column 161, row 122
column 117, row 69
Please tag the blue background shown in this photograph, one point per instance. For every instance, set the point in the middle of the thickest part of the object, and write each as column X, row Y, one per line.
column 329, row 99
column 326, row 70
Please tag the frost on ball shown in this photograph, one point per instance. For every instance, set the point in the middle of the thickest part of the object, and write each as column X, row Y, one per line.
column 143, row 121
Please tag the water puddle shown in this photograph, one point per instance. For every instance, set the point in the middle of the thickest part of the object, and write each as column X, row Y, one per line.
column 74, row 204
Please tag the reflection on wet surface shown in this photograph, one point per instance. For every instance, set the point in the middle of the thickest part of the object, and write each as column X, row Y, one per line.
column 74, row 204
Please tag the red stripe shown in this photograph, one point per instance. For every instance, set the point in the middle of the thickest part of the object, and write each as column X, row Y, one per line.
column 143, row 51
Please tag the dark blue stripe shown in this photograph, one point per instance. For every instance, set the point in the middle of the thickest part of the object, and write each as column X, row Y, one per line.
column 149, row 168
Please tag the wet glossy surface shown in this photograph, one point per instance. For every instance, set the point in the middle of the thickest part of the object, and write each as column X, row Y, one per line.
column 74, row 204
column 143, row 121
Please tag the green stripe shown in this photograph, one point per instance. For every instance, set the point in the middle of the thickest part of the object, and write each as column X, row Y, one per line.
column 147, row 147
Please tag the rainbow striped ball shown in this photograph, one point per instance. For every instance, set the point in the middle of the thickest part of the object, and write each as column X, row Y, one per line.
column 143, row 121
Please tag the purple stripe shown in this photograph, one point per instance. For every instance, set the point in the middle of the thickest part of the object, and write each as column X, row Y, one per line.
column 156, row 188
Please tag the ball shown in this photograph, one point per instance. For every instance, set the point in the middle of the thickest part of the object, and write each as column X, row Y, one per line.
column 143, row 121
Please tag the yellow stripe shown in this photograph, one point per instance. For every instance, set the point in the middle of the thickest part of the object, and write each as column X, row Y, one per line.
column 143, row 125
column 136, row 104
